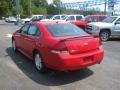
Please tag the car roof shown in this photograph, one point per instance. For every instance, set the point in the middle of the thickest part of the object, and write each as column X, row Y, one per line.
column 36, row 15
column 51, row 22
column 75, row 15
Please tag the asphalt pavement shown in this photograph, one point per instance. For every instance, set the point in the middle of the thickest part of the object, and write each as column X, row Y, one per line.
column 18, row 73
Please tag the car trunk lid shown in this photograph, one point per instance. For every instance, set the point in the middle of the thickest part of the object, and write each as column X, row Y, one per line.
column 81, row 44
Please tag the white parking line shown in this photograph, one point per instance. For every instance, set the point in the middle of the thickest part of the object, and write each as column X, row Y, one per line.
column 8, row 35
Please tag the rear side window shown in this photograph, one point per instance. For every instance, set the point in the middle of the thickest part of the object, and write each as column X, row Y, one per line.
column 78, row 17
column 33, row 30
column 58, row 30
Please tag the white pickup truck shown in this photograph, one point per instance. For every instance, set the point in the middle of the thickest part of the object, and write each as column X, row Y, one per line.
column 73, row 17
column 55, row 18
column 109, row 27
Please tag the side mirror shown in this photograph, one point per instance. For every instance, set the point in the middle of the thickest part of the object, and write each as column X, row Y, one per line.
column 118, row 22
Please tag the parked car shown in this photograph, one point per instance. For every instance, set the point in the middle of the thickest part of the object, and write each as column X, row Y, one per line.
column 95, row 18
column 6, row 19
column 73, row 17
column 90, row 18
column 36, row 17
column 109, row 27
column 10, row 19
column 55, row 18
column 47, row 16
column 25, row 20
column 58, row 45
column 33, row 18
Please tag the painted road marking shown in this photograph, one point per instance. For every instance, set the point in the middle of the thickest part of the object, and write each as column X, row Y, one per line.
column 8, row 35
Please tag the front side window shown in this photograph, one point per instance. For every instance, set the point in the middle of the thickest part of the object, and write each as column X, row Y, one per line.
column 65, row 18
column 57, row 17
column 78, row 17
column 33, row 30
column 40, row 17
column 59, row 30
column 62, row 17
column 71, row 18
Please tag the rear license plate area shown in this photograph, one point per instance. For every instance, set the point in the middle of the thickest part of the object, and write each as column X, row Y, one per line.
column 89, row 58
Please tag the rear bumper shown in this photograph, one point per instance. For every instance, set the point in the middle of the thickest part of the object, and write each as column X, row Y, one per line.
column 68, row 62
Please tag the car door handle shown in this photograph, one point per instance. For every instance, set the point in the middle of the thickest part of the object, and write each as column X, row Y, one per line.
column 27, row 39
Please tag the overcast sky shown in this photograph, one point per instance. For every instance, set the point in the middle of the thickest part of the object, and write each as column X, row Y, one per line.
column 117, row 7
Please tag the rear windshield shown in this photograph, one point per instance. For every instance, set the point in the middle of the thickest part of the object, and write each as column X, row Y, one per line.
column 59, row 30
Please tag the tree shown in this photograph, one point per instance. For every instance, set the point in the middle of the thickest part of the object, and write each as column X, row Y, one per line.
column 39, row 6
column 51, row 9
column 56, row 2
column 8, row 7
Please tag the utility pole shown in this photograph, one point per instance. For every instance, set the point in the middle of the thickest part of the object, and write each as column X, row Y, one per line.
column 30, row 12
column 105, row 6
column 18, row 9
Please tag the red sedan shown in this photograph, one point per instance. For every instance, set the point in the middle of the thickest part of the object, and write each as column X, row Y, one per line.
column 57, row 45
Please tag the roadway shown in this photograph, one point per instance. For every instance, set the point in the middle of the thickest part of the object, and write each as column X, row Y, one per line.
column 18, row 73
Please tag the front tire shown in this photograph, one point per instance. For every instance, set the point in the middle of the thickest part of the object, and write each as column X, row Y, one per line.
column 39, row 62
column 14, row 46
column 104, row 35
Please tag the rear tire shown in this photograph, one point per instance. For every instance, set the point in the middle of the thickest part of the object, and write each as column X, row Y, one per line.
column 39, row 62
column 104, row 35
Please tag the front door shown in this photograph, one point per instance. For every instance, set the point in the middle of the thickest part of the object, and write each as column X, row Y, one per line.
column 22, row 34
column 31, row 39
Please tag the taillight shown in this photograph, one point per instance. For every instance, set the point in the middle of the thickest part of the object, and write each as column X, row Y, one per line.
column 96, row 36
column 60, row 48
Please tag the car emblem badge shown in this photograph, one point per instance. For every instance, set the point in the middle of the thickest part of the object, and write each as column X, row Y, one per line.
column 85, row 44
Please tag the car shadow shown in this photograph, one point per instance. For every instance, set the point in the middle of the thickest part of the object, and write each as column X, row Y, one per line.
column 50, row 78
column 114, row 39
